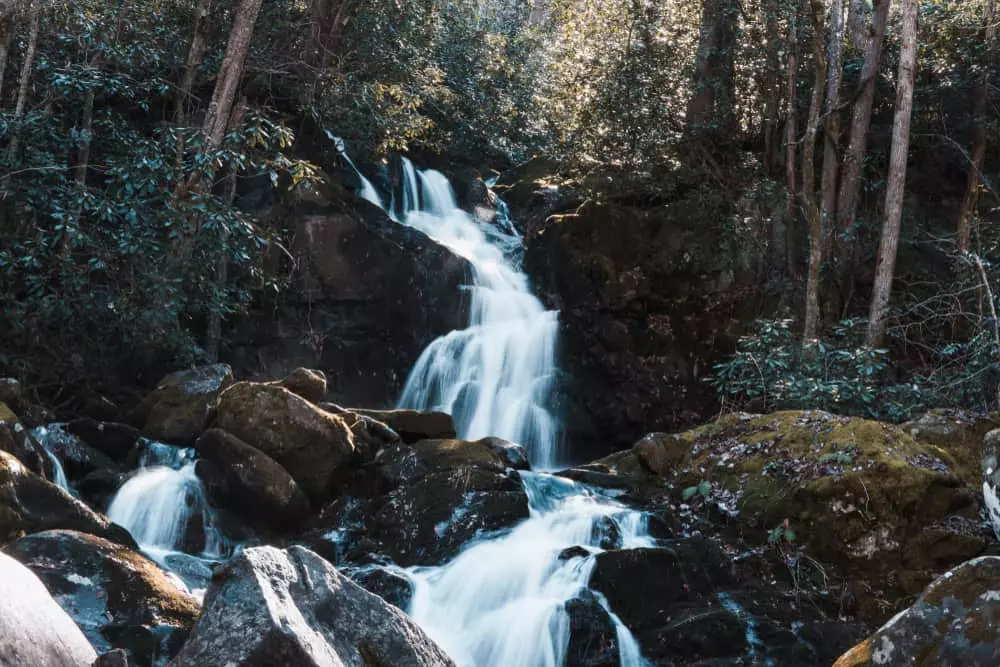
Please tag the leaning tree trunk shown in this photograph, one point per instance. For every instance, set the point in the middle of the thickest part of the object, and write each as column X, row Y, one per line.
column 34, row 19
column 897, row 177
column 808, row 193
column 970, row 202
column 195, row 54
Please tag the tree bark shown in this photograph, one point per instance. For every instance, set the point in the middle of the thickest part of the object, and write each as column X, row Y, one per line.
column 195, row 54
column 970, row 202
column 24, row 82
column 857, row 23
column 791, row 137
column 710, row 109
column 772, row 89
column 885, row 269
column 7, row 14
column 831, row 132
column 809, row 203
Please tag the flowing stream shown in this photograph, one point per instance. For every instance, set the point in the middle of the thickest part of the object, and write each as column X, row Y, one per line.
column 502, row 600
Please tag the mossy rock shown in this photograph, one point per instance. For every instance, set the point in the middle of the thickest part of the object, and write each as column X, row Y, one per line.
column 7, row 415
column 183, row 403
column 451, row 454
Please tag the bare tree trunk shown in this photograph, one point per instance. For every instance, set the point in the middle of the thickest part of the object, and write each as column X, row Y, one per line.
column 970, row 202
column 897, row 177
column 857, row 23
column 831, row 133
column 7, row 13
column 34, row 19
column 791, row 137
column 711, row 106
column 772, row 89
column 196, row 51
column 809, row 203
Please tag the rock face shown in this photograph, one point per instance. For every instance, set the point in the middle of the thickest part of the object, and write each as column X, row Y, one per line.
column 372, row 294
column 15, row 440
column 249, row 483
column 34, row 630
column 311, row 444
column 649, row 299
column 30, row 504
column 119, row 598
column 182, row 404
column 270, row 607
column 954, row 622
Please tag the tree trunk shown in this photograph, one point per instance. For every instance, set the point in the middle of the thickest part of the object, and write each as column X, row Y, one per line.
column 857, row 23
column 772, row 90
column 831, row 132
column 897, row 177
column 791, row 137
column 34, row 19
column 7, row 14
column 196, row 51
column 710, row 109
column 809, row 203
column 970, row 202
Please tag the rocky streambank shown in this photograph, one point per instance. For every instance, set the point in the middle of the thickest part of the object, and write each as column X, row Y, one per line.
column 308, row 528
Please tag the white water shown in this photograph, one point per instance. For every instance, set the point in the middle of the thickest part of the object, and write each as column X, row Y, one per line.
column 502, row 601
column 159, row 502
column 53, row 438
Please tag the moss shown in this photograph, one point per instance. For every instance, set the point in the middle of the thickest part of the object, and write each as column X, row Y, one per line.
column 7, row 415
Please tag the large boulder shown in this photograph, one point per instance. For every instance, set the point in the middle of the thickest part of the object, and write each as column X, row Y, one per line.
column 249, row 483
column 34, row 630
column 115, row 440
column 414, row 425
column 16, row 440
column 271, row 607
column 955, row 622
column 119, row 598
column 311, row 444
column 371, row 295
column 30, row 504
column 865, row 499
column 308, row 383
column 78, row 459
column 182, row 404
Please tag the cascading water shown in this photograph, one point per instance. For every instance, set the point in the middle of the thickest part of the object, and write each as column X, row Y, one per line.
column 162, row 502
column 502, row 601
column 53, row 438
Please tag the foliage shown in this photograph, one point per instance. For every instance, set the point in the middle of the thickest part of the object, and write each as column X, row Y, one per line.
column 703, row 490
column 781, row 534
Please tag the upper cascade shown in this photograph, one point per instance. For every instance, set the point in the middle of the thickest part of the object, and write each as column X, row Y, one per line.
column 497, row 376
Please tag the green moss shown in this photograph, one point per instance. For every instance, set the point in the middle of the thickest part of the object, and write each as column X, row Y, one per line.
column 6, row 414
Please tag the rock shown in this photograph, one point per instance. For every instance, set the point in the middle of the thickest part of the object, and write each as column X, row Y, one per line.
column 99, row 487
column 307, row 383
column 311, row 444
column 115, row 440
column 17, row 441
column 991, row 479
column 11, row 393
column 593, row 638
column 953, row 622
column 661, row 453
column 182, row 404
column 115, row 658
column 119, row 598
column 78, row 459
column 606, row 533
column 30, row 504
column 414, row 425
column 513, row 455
column 270, row 607
column 389, row 584
column 34, row 630
column 444, row 455
column 249, row 483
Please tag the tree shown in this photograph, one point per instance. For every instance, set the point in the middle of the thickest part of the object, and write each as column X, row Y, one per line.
column 808, row 192
column 831, row 130
column 24, row 81
column 710, row 109
column 791, row 138
column 895, row 189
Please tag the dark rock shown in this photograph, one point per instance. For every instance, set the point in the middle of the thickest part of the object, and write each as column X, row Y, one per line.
column 606, row 533
column 116, row 658
column 953, row 622
column 310, row 443
column 11, row 393
column 30, row 504
column 183, row 403
column 307, row 383
column 268, row 607
column 115, row 440
column 513, row 455
column 573, row 552
column 414, row 425
column 398, row 464
column 99, row 487
column 119, row 598
column 77, row 457
column 17, row 441
column 389, row 585
column 593, row 638
column 34, row 630
column 661, row 453
column 249, row 483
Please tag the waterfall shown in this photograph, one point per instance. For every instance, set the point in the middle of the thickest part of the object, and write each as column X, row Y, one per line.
column 502, row 601
column 160, row 504
column 55, row 439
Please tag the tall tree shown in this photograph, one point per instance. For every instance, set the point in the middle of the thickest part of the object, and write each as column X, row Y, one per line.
column 970, row 201
column 831, row 129
column 791, row 138
column 710, row 109
column 886, row 266
column 24, row 81
column 808, row 192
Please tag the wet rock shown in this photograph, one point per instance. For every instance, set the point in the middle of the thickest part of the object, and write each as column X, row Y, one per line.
column 390, row 585
column 513, row 455
column 573, row 552
column 622, row 470
column 119, row 598
column 183, row 403
column 606, row 533
column 415, row 425
column 115, row 440
column 30, row 504
column 11, row 393
column 311, row 444
column 661, row 453
column 34, row 630
column 99, row 487
column 953, row 622
column 308, row 383
column 249, row 483
column 269, row 607
column 115, row 658
column 17, row 441
column 593, row 638
column 77, row 457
